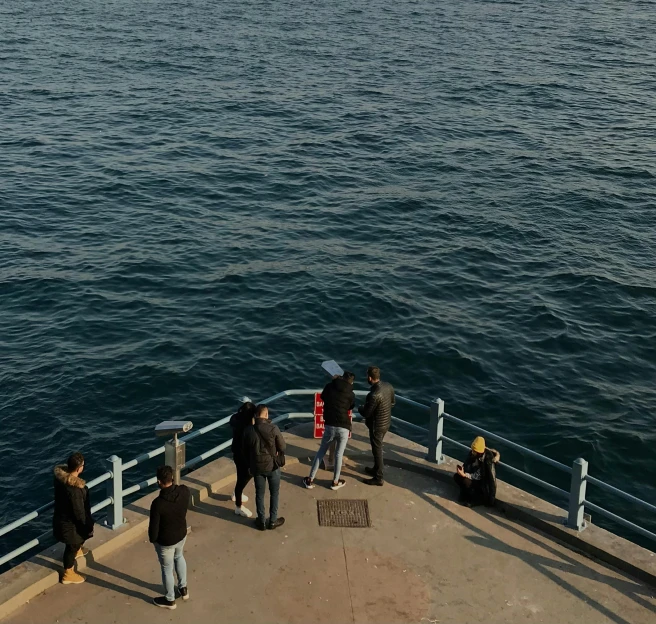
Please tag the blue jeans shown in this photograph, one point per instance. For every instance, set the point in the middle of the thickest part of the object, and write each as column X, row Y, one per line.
column 340, row 434
column 168, row 556
column 273, row 478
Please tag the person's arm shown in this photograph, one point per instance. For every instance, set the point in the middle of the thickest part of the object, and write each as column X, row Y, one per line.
column 87, row 513
column 393, row 398
column 352, row 400
column 76, row 497
column 153, row 525
column 369, row 407
column 324, row 392
column 281, row 445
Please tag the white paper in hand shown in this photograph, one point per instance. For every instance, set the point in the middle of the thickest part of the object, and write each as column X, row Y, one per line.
column 332, row 368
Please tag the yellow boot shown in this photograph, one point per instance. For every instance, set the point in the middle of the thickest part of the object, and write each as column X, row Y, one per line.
column 71, row 577
column 83, row 552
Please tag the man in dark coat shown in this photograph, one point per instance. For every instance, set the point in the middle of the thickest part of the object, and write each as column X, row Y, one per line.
column 72, row 523
column 338, row 400
column 265, row 448
column 239, row 422
column 477, row 477
column 377, row 414
column 167, row 530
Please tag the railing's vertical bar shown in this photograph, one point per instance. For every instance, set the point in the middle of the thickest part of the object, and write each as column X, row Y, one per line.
column 577, row 495
column 115, row 492
column 435, row 431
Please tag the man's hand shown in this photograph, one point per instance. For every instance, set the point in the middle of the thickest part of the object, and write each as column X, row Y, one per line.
column 460, row 471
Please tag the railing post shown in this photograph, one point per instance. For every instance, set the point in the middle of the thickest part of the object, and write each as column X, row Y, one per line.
column 435, row 431
column 577, row 495
column 115, row 492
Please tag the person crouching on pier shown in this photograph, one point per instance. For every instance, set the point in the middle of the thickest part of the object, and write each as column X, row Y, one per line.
column 239, row 422
column 477, row 478
column 265, row 448
column 72, row 523
column 338, row 399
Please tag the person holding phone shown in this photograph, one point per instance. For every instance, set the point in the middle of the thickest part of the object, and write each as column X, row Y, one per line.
column 477, row 477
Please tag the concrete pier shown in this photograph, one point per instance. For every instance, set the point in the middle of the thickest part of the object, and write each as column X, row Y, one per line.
column 425, row 559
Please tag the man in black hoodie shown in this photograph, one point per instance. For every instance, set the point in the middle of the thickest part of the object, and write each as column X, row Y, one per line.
column 265, row 448
column 338, row 400
column 168, row 531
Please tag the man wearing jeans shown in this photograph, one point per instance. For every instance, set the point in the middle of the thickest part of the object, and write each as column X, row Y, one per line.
column 265, row 447
column 338, row 400
column 168, row 532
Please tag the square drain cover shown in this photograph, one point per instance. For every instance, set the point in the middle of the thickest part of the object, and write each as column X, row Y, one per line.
column 343, row 513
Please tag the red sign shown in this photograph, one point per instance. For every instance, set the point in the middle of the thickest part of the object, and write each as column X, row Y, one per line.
column 319, row 424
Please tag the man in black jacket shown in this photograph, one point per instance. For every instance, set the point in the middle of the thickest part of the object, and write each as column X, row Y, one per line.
column 265, row 448
column 377, row 414
column 338, row 400
column 167, row 530
column 72, row 523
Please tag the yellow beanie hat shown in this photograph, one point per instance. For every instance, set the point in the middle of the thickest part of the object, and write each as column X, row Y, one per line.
column 478, row 445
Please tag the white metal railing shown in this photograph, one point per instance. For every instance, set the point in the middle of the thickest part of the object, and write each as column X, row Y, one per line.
column 576, row 497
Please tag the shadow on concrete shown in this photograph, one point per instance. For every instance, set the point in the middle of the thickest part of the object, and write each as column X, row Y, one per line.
column 544, row 565
column 93, row 566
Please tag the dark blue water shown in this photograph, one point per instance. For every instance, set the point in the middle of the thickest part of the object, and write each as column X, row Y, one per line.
column 200, row 200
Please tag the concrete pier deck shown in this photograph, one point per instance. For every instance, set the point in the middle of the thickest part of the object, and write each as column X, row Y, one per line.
column 425, row 559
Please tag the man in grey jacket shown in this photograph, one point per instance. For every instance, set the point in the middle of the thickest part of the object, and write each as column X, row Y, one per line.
column 377, row 414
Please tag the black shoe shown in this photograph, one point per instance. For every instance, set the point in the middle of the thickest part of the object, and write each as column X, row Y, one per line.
column 259, row 524
column 374, row 481
column 278, row 523
column 370, row 471
column 161, row 601
column 184, row 593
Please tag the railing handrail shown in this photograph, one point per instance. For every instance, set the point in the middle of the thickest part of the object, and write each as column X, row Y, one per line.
column 303, row 392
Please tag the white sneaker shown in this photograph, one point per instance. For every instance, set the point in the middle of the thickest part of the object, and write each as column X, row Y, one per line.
column 244, row 498
column 242, row 511
column 336, row 486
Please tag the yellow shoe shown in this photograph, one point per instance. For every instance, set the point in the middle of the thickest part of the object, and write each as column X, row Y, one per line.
column 71, row 577
column 83, row 552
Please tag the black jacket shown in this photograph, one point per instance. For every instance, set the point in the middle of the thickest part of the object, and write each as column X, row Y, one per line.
column 239, row 422
column 377, row 408
column 338, row 398
column 482, row 472
column 262, row 442
column 168, row 516
column 71, row 521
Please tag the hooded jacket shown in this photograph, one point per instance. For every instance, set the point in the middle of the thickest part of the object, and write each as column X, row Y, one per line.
column 262, row 442
column 482, row 471
column 168, row 516
column 377, row 408
column 71, row 521
column 338, row 398
column 239, row 422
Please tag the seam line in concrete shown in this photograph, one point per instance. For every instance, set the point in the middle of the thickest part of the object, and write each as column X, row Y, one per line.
column 348, row 577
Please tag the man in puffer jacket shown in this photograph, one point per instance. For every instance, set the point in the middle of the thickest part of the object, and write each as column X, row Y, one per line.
column 377, row 414
column 72, row 523
column 477, row 477
column 265, row 448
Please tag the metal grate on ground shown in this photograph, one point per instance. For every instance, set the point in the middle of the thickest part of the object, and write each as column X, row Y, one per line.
column 344, row 513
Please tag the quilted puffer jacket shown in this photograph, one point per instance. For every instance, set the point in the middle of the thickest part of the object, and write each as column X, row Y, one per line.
column 377, row 408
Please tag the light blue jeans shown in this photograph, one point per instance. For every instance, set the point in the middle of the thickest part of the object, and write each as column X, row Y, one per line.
column 168, row 557
column 340, row 435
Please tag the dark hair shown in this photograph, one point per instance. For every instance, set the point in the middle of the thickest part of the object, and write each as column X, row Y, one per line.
column 247, row 409
column 260, row 409
column 348, row 376
column 165, row 474
column 75, row 461
column 374, row 373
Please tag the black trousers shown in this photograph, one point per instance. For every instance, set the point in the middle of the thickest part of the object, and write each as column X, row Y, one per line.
column 69, row 554
column 243, row 477
column 376, row 438
column 470, row 491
